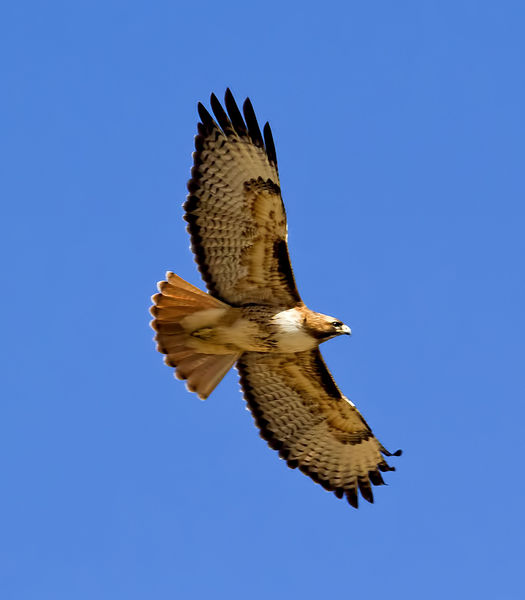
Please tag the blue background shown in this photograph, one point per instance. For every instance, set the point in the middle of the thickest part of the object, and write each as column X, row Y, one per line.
column 399, row 129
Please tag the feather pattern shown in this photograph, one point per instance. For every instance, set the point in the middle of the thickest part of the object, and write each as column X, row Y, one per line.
column 302, row 414
column 235, row 212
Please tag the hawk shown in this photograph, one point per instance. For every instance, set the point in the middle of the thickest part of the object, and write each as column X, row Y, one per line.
column 253, row 315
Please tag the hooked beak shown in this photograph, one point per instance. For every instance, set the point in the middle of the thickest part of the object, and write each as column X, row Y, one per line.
column 346, row 330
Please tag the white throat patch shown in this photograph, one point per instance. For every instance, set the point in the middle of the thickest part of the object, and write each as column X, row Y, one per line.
column 291, row 335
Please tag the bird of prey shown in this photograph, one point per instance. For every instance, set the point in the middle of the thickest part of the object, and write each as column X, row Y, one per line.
column 253, row 315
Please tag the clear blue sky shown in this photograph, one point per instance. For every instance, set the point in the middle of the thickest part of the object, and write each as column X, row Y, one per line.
column 399, row 129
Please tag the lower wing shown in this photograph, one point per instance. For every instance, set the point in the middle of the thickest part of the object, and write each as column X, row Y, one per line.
column 302, row 413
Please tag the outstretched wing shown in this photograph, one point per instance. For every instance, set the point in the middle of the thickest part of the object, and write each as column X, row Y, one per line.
column 235, row 212
column 302, row 413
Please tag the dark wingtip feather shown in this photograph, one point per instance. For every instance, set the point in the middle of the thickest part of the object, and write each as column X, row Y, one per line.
column 235, row 114
column 232, row 120
column 384, row 467
column 376, row 478
column 365, row 489
column 351, row 496
column 206, row 118
column 387, row 453
column 220, row 114
column 251, row 122
column 270, row 146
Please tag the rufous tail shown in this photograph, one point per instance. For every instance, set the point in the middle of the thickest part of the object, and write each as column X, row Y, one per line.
column 178, row 299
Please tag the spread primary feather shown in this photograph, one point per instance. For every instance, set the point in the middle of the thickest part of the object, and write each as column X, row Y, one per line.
column 253, row 314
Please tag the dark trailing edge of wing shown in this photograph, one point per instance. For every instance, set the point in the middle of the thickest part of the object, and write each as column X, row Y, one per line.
column 196, row 242
column 351, row 493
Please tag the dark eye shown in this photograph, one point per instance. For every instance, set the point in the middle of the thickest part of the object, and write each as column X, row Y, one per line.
column 337, row 324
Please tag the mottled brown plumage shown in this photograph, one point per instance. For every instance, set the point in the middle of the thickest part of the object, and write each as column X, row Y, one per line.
column 253, row 314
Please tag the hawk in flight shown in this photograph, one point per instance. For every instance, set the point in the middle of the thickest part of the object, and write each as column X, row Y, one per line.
column 253, row 315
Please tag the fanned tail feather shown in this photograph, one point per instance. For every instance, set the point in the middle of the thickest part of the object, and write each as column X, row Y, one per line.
column 176, row 300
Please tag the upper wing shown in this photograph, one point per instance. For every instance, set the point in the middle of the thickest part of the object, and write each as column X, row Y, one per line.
column 302, row 413
column 235, row 212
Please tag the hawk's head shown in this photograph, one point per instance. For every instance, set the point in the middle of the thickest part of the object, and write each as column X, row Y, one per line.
column 299, row 329
column 324, row 327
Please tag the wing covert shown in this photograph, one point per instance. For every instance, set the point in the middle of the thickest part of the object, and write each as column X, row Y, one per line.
column 235, row 212
column 302, row 413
